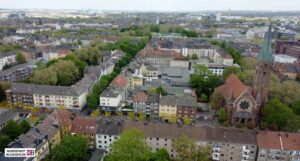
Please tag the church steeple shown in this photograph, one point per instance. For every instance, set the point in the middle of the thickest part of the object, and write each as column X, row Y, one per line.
column 265, row 54
column 261, row 81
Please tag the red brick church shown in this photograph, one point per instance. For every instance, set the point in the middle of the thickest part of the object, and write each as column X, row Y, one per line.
column 243, row 103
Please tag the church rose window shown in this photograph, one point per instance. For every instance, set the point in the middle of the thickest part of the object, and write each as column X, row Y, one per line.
column 244, row 105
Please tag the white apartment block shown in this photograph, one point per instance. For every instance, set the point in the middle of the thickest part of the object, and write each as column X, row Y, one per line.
column 7, row 58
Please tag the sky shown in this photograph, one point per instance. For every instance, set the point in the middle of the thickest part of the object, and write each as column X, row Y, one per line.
column 154, row 5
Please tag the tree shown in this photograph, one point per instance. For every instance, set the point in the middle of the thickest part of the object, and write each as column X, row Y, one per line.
column 12, row 130
column 287, row 92
column 216, row 100
column 66, row 71
column 3, row 87
column 194, row 57
column 161, row 91
column 246, row 76
column 249, row 63
column 160, row 155
column 203, row 98
column 202, row 70
column 92, row 101
column 25, row 126
column 130, row 146
column 45, row 77
column 222, row 115
column 277, row 115
column 71, row 148
column 20, row 58
column 229, row 70
column 296, row 107
column 187, row 120
column 187, row 150
column 4, row 141
column 95, row 114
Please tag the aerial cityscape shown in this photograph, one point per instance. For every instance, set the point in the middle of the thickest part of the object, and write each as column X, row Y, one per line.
column 141, row 80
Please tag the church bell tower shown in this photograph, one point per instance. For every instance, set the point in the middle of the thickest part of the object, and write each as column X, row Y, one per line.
column 261, row 81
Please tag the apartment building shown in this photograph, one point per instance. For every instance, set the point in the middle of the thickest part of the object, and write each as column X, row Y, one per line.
column 7, row 59
column 278, row 146
column 85, row 127
column 108, row 131
column 168, row 108
column 226, row 144
column 46, row 96
column 17, row 73
column 110, row 100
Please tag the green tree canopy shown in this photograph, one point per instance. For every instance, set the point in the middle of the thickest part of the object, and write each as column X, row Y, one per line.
column 3, row 87
column 20, row 58
column 296, row 107
column 4, row 141
column 130, row 146
column 222, row 115
column 160, row 155
column 187, row 150
column 71, row 148
column 12, row 129
column 44, row 76
column 25, row 126
column 287, row 91
column 277, row 115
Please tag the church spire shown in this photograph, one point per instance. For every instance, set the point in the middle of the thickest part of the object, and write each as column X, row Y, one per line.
column 265, row 54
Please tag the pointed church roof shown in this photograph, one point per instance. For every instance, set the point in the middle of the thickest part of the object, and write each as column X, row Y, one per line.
column 266, row 50
column 232, row 88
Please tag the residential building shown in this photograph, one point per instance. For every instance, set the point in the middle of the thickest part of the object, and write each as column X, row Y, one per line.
column 7, row 59
column 46, row 96
column 17, row 73
column 187, row 107
column 281, row 58
column 50, row 126
column 291, row 48
column 108, row 131
column 180, row 63
column 110, row 100
column 85, row 127
column 153, row 104
column 226, row 144
column 168, row 108
column 64, row 118
column 273, row 146
column 139, row 102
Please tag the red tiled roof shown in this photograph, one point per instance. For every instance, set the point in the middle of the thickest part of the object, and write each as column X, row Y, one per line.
column 268, row 140
column 291, row 141
column 271, row 140
column 64, row 118
column 84, row 126
column 120, row 81
column 232, row 86
column 140, row 97
column 157, row 52
column 227, row 56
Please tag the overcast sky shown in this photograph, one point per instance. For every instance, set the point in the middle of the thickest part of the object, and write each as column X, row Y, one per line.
column 155, row 5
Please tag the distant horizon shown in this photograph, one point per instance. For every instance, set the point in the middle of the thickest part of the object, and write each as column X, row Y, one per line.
column 154, row 5
column 128, row 10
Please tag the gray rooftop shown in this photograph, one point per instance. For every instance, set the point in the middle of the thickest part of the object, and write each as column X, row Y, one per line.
column 168, row 100
column 44, row 89
column 16, row 68
column 6, row 115
column 109, row 127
